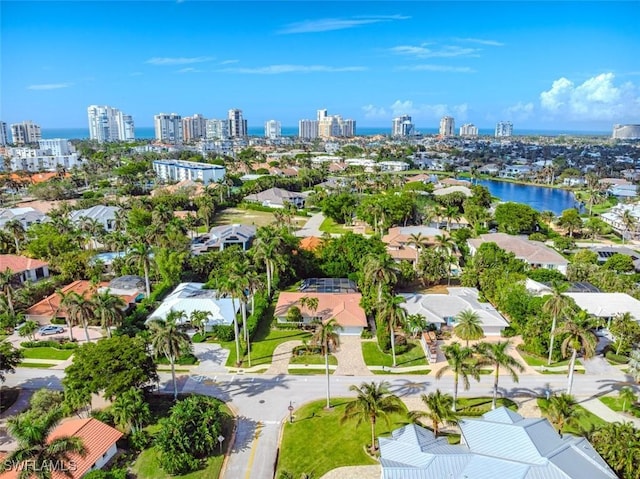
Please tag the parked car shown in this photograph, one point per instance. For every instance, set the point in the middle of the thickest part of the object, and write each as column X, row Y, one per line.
column 51, row 329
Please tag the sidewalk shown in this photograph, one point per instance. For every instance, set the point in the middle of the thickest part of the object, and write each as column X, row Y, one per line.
column 595, row 406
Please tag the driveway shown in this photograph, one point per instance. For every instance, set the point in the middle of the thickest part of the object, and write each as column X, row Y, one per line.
column 212, row 358
column 312, row 226
column 95, row 333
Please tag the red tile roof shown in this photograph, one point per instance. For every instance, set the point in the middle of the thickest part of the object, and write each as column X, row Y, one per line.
column 310, row 243
column 97, row 438
column 345, row 307
column 18, row 264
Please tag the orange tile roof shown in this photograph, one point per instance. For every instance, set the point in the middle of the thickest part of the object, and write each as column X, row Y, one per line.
column 39, row 177
column 97, row 438
column 310, row 243
column 408, row 254
column 49, row 305
column 345, row 307
column 18, row 264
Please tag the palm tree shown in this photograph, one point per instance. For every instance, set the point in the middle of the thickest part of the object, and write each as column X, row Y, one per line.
column 380, row 272
column 415, row 324
column 199, row 319
column 547, row 217
column 579, row 338
column 394, row 316
column 310, row 302
column 266, row 249
column 418, row 241
column 469, row 327
column 10, row 358
column 130, row 410
column 630, row 223
column 561, row 409
column 80, row 310
column 64, row 307
column 373, row 400
column 325, row 335
column 446, row 244
column 109, row 308
column 29, row 329
column 16, row 229
column 7, row 280
column 618, row 444
column 462, row 363
column 634, row 365
column 139, row 255
column 451, row 213
column 627, row 395
column 498, row 356
column 36, row 454
column 229, row 287
column 167, row 339
column 556, row 305
column 438, row 410
column 238, row 271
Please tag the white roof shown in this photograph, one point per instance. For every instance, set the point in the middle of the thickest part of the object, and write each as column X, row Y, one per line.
column 607, row 305
column 189, row 297
column 436, row 307
column 98, row 212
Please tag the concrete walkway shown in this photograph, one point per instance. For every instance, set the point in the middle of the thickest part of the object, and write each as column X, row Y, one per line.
column 597, row 407
column 354, row 472
column 281, row 357
column 350, row 359
column 599, row 366
column 312, row 226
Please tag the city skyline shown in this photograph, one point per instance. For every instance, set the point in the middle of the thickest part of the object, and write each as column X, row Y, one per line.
column 544, row 65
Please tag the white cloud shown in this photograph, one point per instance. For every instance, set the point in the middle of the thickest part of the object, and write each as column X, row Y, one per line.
column 229, row 62
column 49, row 86
column 278, row 69
column 419, row 112
column 520, row 111
column 425, row 50
column 189, row 70
column 177, row 60
column 436, row 68
column 481, row 41
column 597, row 98
column 330, row 24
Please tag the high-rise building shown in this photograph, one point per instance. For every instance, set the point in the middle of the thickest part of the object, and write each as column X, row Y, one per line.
column 504, row 129
column 109, row 124
column 4, row 138
column 322, row 114
column 469, row 130
column 308, row 129
column 25, row 133
column 626, row 132
column 237, row 124
column 168, row 128
column 401, row 126
column 272, row 129
column 57, row 146
column 217, row 130
column 447, row 126
column 194, row 127
column 333, row 126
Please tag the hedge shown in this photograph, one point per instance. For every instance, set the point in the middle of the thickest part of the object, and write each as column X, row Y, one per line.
column 49, row 344
column 616, row 358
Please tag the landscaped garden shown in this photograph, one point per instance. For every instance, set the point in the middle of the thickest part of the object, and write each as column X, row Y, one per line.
column 262, row 348
column 47, row 353
column 622, row 403
column 410, row 355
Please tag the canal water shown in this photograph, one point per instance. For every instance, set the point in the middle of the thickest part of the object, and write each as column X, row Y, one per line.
column 537, row 197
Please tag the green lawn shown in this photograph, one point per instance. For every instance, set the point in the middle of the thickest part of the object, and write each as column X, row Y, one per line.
column 316, row 442
column 614, row 403
column 47, row 353
column 262, row 349
column 231, row 216
column 330, row 226
column 584, row 422
column 388, row 372
column 373, row 356
column 477, row 406
column 313, row 359
column 308, row 372
column 36, row 365
column 532, row 360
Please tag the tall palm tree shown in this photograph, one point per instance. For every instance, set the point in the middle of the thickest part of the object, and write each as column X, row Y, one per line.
column 109, row 308
column 451, row 213
column 461, row 362
column 139, row 255
column 418, row 241
column 17, row 230
column 469, row 327
column 229, row 287
column 556, row 305
column 498, row 356
column 630, row 223
column 7, row 281
column 634, row 365
column 373, row 401
column 267, row 249
column 238, row 273
column 36, row 454
column 438, row 410
column 394, row 315
column 578, row 338
column 167, row 339
column 380, row 272
column 130, row 410
column 325, row 335
column 63, row 307
column 80, row 310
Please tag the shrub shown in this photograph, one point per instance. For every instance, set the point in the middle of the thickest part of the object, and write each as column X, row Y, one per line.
column 58, row 321
column 120, row 473
column 509, row 332
column 287, row 326
column 366, row 334
column 184, row 360
column 616, row 358
column 139, row 440
column 103, row 415
column 538, row 237
column 49, row 344
column 199, row 338
column 223, row 332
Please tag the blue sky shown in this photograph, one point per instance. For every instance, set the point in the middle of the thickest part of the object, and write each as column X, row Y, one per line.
column 544, row 64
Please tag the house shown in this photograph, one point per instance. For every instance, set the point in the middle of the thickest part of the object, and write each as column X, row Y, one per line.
column 489, row 169
column 27, row 216
column 49, row 308
column 624, row 191
column 277, row 198
column 221, row 237
column 501, row 444
column 614, row 218
column 188, row 187
column 100, row 442
column 534, row 253
column 23, row 268
column 190, row 297
column 606, row 252
column 515, row 171
column 399, row 245
column 105, row 215
column 607, row 305
column 344, row 307
column 447, row 190
column 442, row 309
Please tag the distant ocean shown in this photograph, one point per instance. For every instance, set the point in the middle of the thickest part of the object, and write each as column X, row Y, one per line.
column 145, row 132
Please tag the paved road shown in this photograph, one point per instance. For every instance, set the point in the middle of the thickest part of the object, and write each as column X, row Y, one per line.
column 261, row 401
column 312, row 226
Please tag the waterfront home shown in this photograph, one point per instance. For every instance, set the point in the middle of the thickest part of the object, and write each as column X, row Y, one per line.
column 515, row 171
column 534, row 253
column 501, row 443
column 489, row 169
column 442, row 309
column 277, row 198
column 24, row 269
column 190, row 297
column 614, row 218
column 624, row 191
column 221, row 237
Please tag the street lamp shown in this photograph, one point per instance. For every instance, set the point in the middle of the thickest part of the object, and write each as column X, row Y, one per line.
column 220, row 441
column 290, row 408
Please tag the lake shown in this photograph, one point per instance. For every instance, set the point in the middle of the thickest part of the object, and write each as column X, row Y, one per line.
column 537, row 197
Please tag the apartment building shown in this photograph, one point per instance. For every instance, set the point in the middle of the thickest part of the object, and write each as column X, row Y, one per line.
column 447, row 126
column 237, row 124
column 402, row 126
column 504, row 129
column 25, row 133
column 272, row 130
column 194, row 128
column 178, row 170
column 469, row 130
column 53, row 155
column 107, row 123
column 168, row 127
column 4, row 138
column 308, row 129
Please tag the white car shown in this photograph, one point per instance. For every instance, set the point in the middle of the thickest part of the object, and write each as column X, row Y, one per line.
column 50, row 329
